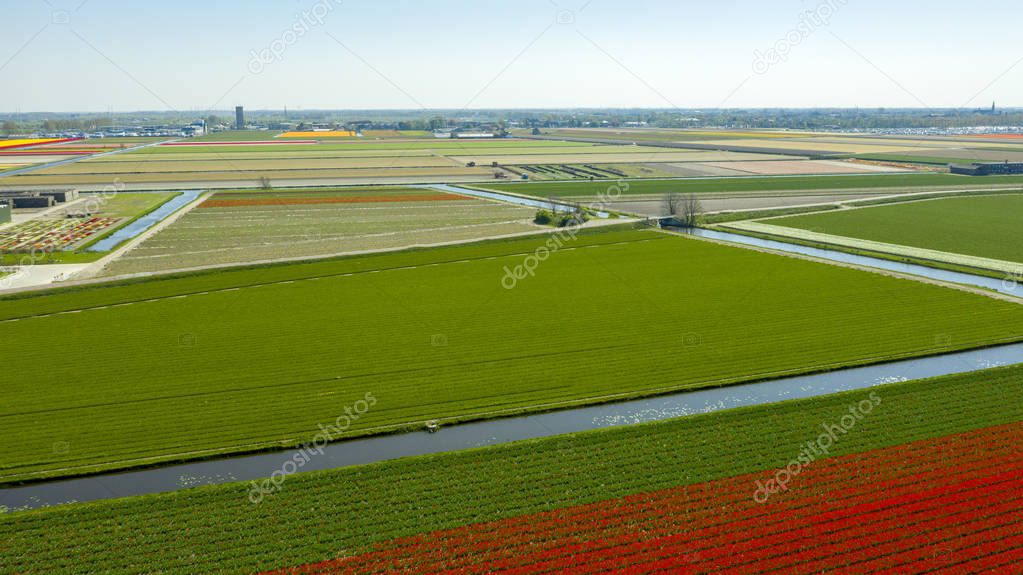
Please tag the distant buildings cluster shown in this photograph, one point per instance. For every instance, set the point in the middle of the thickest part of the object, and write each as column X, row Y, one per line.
column 987, row 169
column 36, row 198
column 195, row 129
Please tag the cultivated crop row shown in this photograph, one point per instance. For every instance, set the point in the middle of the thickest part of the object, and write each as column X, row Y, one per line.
column 263, row 366
column 46, row 234
column 761, row 184
column 669, row 479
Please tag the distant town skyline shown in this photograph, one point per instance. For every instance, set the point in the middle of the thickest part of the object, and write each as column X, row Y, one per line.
column 112, row 55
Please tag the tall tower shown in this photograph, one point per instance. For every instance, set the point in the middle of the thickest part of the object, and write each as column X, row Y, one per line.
column 239, row 117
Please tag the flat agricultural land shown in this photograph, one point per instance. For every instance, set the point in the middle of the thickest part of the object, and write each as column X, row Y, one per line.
column 590, row 171
column 319, row 134
column 241, row 227
column 47, row 235
column 15, row 143
column 796, row 167
column 661, row 135
column 768, row 185
column 801, row 145
column 243, row 161
column 982, row 226
column 779, row 142
column 254, row 177
column 247, row 165
column 609, row 154
column 379, row 146
column 237, row 136
column 256, row 358
column 918, row 466
column 196, row 162
column 960, row 155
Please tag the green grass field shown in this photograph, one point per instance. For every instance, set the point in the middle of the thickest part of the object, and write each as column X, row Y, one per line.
column 323, row 515
column 756, row 184
column 128, row 204
column 983, row 226
column 251, row 359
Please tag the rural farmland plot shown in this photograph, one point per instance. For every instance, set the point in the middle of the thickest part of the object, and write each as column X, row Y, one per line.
column 254, row 322
column 980, row 226
column 903, row 484
column 241, row 228
column 239, row 363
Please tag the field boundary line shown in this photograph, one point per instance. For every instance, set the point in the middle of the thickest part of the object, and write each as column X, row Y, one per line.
column 855, row 204
column 1003, row 266
column 877, row 271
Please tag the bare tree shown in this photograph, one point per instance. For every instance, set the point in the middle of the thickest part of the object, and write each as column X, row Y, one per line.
column 672, row 203
column 552, row 205
column 691, row 211
column 264, row 183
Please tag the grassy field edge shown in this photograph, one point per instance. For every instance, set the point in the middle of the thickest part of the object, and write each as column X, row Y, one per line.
column 403, row 497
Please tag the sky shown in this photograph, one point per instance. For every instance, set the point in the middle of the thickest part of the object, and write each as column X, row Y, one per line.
column 117, row 55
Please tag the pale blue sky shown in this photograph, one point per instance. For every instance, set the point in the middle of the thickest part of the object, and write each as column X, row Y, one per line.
column 66, row 55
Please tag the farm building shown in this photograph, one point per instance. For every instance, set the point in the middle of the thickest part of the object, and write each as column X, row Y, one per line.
column 987, row 169
column 61, row 196
column 30, row 202
column 38, row 199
